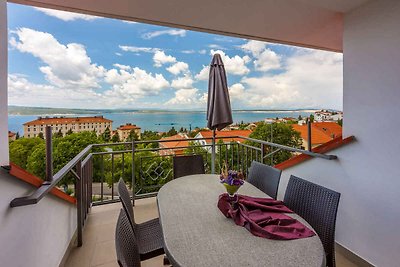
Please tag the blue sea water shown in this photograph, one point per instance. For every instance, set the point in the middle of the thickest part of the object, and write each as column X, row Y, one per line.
column 163, row 121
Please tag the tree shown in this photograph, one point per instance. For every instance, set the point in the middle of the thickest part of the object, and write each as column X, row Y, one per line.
column 69, row 132
column 312, row 118
column 132, row 136
column 64, row 150
column 115, row 138
column 340, row 122
column 22, row 148
column 58, row 134
column 171, row 132
column 150, row 135
column 40, row 135
column 300, row 118
column 17, row 136
column 107, row 135
column 181, row 130
column 282, row 134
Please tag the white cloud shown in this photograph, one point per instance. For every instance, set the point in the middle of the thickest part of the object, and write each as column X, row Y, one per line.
column 215, row 46
column 236, row 91
column 122, row 67
column 235, row 65
column 24, row 93
column 267, row 60
column 202, row 51
column 129, row 22
column 312, row 79
column 185, row 82
column 172, row 32
column 134, row 84
column 178, row 67
column 137, row 49
column 161, row 58
column 254, row 47
column 64, row 15
column 185, row 98
column 188, row 51
column 66, row 66
column 203, row 74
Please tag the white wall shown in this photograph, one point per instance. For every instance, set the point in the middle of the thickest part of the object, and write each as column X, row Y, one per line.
column 35, row 235
column 3, row 85
column 367, row 172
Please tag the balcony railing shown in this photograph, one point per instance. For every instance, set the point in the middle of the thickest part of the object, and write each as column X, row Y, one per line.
column 147, row 165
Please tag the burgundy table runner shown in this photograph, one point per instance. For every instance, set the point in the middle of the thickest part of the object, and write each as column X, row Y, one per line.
column 263, row 217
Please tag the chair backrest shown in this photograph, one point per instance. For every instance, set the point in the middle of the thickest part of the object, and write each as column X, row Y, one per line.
column 187, row 165
column 125, row 242
column 265, row 178
column 127, row 204
column 318, row 206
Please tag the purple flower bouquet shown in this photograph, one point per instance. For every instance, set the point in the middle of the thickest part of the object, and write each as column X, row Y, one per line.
column 232, row 180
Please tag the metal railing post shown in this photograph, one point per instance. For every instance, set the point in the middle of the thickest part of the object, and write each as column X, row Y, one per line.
column 49, row 155
column 133, row 172
column 309, row 135
column 213, row 153
column 262, row 153
column 78, row 192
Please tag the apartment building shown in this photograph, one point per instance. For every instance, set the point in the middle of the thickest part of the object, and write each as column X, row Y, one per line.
column 65, row 124
column 124, row 131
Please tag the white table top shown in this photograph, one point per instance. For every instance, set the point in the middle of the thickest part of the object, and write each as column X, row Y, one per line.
column 196, row 233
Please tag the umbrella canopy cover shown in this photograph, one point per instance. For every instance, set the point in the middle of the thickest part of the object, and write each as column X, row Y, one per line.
column 219, row 113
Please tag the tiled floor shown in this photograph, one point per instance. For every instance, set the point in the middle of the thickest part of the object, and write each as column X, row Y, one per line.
column 98, row 237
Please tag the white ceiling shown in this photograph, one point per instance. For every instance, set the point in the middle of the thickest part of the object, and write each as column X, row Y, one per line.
column 307, row 23
column 336, row 5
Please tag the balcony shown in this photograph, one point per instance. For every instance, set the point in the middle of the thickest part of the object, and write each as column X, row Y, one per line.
column 97, row 169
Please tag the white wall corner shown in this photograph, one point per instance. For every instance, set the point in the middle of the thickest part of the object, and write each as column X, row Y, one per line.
column 4, row 157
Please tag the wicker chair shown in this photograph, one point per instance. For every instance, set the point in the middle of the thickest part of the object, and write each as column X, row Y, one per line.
column 187, row 165
column 126, row 244
column 265, row 178
column 148, row 234
column 318, row 206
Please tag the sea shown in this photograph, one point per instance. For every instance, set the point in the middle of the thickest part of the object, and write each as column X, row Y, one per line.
column 162, row 121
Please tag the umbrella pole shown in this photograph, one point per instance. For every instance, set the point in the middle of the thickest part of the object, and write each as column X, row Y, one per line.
column 213, row 154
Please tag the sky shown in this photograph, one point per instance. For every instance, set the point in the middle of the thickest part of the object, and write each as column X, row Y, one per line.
column 70, row 60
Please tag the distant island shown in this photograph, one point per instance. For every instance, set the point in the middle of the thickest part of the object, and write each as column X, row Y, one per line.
column 40, row 111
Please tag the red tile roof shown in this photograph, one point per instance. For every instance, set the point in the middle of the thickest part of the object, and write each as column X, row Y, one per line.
column 128, row 127
column 174, row 141
column 11, row 134
column 326, row 147
column 67, row 120
column 222, row 134
column 321, row 132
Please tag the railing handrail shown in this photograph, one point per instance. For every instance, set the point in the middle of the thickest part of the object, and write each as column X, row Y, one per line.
column 46, row 187
column 293, row 149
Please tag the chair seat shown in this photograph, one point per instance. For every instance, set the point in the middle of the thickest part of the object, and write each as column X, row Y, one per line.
column 150, row 239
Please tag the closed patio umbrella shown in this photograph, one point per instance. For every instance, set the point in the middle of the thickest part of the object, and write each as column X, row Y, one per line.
column 219, row 113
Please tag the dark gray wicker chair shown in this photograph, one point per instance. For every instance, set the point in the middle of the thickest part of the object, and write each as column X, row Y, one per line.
column 148, row 234
column 318, row 206
column 126, row 244
column 187, row 165
column 265, row 178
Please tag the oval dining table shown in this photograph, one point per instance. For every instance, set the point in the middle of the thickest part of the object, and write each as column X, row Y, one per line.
column 196, row 233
